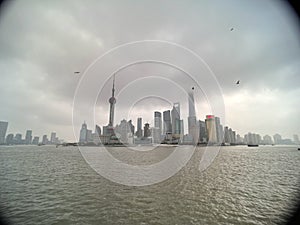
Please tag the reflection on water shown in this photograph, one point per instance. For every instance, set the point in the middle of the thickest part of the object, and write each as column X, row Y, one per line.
column 48, row 185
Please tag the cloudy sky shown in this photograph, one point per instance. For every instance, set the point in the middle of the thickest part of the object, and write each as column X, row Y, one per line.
column 158, row 50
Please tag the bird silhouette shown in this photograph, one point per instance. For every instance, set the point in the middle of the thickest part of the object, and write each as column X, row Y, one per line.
column 76, row 72
column 238, row 82
column 231, row 29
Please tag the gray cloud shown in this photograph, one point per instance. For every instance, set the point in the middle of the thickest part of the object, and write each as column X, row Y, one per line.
column 43, row 43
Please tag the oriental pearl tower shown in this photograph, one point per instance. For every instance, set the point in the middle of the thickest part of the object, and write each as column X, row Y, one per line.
column 112, row 102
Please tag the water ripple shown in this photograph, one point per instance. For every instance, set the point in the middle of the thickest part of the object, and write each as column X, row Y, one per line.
column 48, row 185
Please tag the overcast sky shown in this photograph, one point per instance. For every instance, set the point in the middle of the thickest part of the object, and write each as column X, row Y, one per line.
column 42, row 43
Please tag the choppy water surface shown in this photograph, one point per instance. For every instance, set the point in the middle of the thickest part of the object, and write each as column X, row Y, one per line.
column 48, row 185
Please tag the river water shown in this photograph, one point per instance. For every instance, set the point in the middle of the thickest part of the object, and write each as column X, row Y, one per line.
column 48, row 185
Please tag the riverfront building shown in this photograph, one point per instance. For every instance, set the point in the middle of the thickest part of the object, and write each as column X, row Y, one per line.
column 139, row 132
column 157, row 129
column 211, row 129
column 167, row 127
column 176, row 119
column 3, row 129
column 193, row 126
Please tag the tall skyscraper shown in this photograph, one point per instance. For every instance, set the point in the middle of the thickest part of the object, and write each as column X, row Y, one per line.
column 226, row 135
column 89, row 136
column 45, row 139
column 202, row 132
column 230, row 135
column 139, row 132
column 167, row 122
column 158, row 121
column 147, row 132
column 157, row 130
column 139, row 123
column 192, row 111
column 3, row 129
column 176, row 119
column 83, row 133
column 234, row 137
column 219, row 130
column 211, row 129
column 28, row 137
column 53, row 138
column 193, row 126
column 181, row 131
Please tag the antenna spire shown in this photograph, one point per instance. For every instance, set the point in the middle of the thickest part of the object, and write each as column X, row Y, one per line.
column 113, row 88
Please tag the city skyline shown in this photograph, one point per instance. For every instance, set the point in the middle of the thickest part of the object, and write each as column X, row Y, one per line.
column 169, row 128
column 275, row 138
column 166, row 128
column 167, row 122
column 39, row 59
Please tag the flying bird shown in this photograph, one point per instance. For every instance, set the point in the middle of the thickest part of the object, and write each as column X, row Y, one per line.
column 192, row 88
column 76, row 72
column 231, row 29
column 238, row 82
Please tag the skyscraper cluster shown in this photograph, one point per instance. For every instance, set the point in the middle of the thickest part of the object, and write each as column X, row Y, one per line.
column 29, row 139
column 168, row 128
column 87, row 136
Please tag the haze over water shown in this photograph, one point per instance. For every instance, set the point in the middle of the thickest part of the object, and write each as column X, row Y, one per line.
column 48, row 185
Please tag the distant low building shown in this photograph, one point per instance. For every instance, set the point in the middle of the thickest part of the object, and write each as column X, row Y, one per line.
column 18, row 139
column 296, row 139
column 267, row 140
column 287, row 142
column 277, row 139
column 45, row 140
column 35, row 140
column 28, row 137
column 10, row 139
column 3, row 129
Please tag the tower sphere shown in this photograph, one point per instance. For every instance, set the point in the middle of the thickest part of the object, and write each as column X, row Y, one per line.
column 112, row 100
